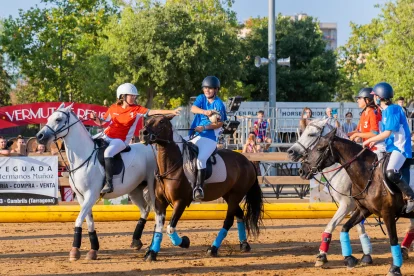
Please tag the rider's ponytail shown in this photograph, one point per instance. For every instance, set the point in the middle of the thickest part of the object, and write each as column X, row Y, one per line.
column 121, row 99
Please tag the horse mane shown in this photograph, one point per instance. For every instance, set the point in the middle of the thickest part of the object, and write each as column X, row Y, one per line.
column 353, row 147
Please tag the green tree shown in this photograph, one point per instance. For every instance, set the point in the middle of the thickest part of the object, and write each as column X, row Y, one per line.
column 54, row 48
column 386, row 45
column 5, row 78
column 166, row 50
column 312, row 74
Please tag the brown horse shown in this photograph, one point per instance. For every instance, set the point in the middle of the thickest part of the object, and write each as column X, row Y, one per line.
column 173, row 188
column 368, row 190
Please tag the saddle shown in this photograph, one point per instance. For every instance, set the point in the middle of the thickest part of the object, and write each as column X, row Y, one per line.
column 190, row 153
column 405, row 171
column 101, row 145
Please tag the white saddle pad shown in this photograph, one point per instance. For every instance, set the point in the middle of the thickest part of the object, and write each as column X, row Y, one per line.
column 219, row 173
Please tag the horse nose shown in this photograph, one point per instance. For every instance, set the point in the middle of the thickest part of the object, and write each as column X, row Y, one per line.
column 40, row 137
column 290, row 151
column 145, row 132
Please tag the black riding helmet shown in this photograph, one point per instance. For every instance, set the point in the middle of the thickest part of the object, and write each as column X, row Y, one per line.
column 365, row 93
column 383, row 90
column 211, row 81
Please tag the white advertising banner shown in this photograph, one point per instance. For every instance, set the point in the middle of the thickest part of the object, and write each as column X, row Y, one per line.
column 28, row 180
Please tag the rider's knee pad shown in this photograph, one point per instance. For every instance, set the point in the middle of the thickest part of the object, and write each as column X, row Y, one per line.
column 394, row 176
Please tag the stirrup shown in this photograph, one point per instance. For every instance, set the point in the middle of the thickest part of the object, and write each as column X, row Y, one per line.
column 409, row 210
column 198, row 196
column 107, row 189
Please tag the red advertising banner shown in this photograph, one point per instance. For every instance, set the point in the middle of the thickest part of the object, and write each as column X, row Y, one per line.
column 37, row 113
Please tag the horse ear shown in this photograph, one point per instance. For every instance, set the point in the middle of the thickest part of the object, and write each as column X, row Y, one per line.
column 70, row 106
column 62, row 105
column 331, row 134
column 170, row 116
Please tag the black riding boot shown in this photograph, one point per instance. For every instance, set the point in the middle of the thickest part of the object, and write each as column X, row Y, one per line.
column 109, row 173
column 198, row 190
column 397, row 178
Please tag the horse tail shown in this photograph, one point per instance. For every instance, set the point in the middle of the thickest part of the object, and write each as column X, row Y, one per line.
column 254, row 208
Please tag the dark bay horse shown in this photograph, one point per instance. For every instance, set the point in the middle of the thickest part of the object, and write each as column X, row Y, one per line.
column 368, row 190
column 173, row 188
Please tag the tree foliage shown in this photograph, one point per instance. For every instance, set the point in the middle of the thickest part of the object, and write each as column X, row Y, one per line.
column 387, row 48
column 5, row 78
column 167, row 51
column 312, row 75
column 54, row 47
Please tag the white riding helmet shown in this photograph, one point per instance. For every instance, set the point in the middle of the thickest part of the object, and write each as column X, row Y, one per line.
column 126, row 88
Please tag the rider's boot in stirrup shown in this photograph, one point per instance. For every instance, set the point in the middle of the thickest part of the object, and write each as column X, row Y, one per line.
column 198, row 190
column 396, row 177
column 109, row 166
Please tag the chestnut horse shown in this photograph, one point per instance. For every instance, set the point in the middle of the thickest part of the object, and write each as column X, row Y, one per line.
column 173, row 188
column 368, row 190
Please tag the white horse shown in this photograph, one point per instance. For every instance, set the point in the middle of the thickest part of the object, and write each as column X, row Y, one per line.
column 87, row 175
column 340, row 188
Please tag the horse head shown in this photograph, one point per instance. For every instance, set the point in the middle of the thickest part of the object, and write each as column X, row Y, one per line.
column 58, row 124
column 321, row 156
column 157, row 129
column 310, row 136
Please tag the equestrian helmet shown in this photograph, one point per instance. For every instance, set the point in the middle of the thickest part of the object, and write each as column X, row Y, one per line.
column 365, row 93
column 383, row 90
column 211, row 81
column 126, row 89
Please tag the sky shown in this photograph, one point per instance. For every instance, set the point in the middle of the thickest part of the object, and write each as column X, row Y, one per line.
column 341, row 12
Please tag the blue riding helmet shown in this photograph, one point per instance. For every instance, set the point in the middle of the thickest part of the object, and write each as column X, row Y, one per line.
column 383, row 90
column 211, row 81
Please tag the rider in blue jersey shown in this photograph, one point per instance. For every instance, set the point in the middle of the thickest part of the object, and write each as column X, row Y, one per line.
column 207, row 107
column 396, row 135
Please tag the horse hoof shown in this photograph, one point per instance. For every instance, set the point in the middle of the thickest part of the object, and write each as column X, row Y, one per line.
column 350, row 262
column 136, row 244
column 212, row 251
column 245, row 247
column 404, row 252
column 150, row 256
column 185, row 242
column 366, row 260
column 321, row 260
column 92, row 255
column 394, row 271
column 74, row 254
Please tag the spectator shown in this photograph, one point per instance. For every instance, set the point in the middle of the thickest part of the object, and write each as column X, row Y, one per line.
column 21, row 146
column 349, row 126
column 332, row 116
column 401, row 102
column 305, row 119
column 261, row 129
column 251, row 146
column 3, row 146
column 40, row 149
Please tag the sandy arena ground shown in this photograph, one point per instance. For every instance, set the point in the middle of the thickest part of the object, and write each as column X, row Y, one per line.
column 286, row 247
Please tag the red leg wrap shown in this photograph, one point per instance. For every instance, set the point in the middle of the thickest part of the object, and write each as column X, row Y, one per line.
column 326, row 240
column 408, row 239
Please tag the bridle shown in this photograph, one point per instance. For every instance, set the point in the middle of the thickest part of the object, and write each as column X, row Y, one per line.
column 319, row 135
column 64, row 127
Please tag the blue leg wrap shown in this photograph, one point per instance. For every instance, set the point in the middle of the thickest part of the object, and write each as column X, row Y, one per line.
column 396, row 255
column 220, row 237
column 175, row 239
column 242, row 231
column 366, row 244
column 156, row 242
column 362, row 222
column 345, row 244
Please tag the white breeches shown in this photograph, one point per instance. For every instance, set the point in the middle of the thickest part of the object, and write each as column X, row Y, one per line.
column 206, row 147
column 397, row 160
column 115, row 146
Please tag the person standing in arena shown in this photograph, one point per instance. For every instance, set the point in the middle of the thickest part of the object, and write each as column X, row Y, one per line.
column 123, row 117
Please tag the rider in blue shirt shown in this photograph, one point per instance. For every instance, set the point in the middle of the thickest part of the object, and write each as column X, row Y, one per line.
column 210, row 113
column 396, row 135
